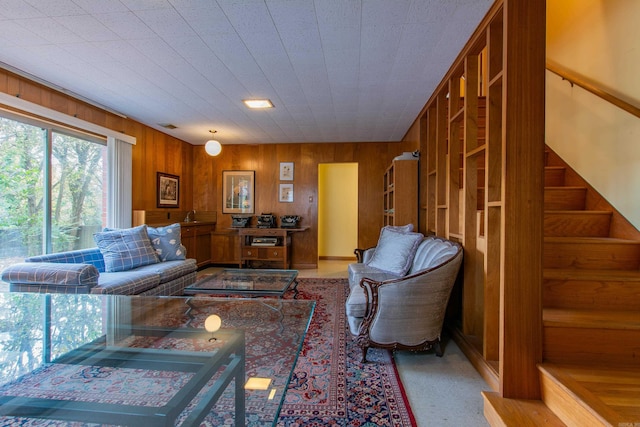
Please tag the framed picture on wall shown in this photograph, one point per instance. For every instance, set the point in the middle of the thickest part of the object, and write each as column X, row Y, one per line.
column 286, row 193
column 238, row 191
column 286, row 171
column 168, row 190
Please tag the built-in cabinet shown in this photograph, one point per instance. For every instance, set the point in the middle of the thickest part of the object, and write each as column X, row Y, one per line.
column 197, row 239
column 400, row 193
column 225, row 247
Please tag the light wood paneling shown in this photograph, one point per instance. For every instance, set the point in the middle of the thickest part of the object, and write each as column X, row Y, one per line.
column 154, row 151
column 501, row 159
column 200, row 175
column 521, row 340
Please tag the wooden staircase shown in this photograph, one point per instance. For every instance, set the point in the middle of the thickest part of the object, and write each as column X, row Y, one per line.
column 590, row 375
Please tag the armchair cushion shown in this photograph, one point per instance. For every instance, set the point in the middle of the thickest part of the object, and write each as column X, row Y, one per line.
column 357, row 271
column 126, row 249
column 395, row 251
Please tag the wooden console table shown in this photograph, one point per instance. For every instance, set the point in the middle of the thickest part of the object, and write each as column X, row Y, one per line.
column 280, row 252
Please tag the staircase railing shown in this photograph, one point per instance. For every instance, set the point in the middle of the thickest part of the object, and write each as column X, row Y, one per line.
column 576, row 79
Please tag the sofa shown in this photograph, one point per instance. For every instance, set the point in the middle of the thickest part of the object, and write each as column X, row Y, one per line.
column 399, row 290
column 136, row 261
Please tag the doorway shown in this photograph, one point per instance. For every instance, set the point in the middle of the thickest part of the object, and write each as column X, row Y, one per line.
column 337, row 210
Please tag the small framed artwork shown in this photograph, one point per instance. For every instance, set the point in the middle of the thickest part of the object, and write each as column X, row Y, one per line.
column 286, row 193
column 286, row 171
column 238, row 191
column 168, row 190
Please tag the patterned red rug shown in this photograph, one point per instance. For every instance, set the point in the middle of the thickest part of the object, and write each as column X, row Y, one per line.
column 330, row 386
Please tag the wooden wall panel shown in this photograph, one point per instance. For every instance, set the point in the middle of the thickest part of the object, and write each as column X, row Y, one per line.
column 154, row 151
column 201, row 175
column 265, row 159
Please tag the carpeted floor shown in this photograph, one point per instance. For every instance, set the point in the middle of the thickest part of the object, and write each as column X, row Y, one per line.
column 330, row 387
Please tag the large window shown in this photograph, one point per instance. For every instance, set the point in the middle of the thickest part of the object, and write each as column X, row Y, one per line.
column 53, row 189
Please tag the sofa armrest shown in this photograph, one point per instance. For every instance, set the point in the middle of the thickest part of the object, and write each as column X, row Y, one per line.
column 51, row 273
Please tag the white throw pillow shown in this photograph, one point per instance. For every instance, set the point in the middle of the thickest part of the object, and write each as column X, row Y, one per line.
column 167, row 242
column 395, row 251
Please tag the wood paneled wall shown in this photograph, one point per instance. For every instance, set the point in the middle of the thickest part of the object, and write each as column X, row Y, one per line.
column 201, row 175
column 154, row 152
column 264, row 159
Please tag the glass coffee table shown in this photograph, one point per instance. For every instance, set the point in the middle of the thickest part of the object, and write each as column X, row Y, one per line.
column 247, row 282
column 153, row 361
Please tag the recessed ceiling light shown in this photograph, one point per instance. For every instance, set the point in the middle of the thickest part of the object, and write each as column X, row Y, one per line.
column 258, row 103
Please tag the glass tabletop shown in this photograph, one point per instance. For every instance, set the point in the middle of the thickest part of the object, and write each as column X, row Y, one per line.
column 121, row 360
column 239, row 281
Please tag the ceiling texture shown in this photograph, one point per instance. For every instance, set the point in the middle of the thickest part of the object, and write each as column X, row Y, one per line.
column 336, row 70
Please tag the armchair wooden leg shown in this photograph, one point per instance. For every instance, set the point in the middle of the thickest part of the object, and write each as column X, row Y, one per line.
column 364, row 353
column 438, row 349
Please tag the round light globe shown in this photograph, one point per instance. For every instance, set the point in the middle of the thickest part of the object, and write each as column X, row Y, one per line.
column 213, row 147
column 212, row 323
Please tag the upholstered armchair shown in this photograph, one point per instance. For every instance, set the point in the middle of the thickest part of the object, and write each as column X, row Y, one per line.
column 405, row 312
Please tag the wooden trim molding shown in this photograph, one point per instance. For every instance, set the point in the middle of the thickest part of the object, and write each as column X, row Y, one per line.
column 20, row 104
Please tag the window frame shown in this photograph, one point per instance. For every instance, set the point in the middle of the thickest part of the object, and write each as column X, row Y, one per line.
column 15, row 108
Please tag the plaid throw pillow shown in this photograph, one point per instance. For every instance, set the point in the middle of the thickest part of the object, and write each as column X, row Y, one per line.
column 126, row 248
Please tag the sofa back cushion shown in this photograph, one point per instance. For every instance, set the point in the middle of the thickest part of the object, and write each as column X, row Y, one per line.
column 432, row 252
column 395, row 251
column 91, row 256
column 126, row 248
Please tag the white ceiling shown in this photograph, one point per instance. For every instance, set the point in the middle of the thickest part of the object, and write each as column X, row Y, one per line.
column 336, row 70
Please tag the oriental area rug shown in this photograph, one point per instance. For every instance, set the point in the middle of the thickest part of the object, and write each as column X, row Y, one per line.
column 330, row 386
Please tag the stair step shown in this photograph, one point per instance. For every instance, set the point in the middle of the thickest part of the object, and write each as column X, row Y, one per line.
column 518, row 412
column 592, row 337
column 577, row 223
column 583, row 395
column 602, row 319
column 594, row 253
column 554, row 176
column 591, row 289
column 564, row 198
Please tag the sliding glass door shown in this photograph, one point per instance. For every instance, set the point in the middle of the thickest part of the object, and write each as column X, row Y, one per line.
column 52, row 189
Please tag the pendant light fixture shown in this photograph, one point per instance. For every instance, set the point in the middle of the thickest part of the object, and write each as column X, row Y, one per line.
column 213, row 147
